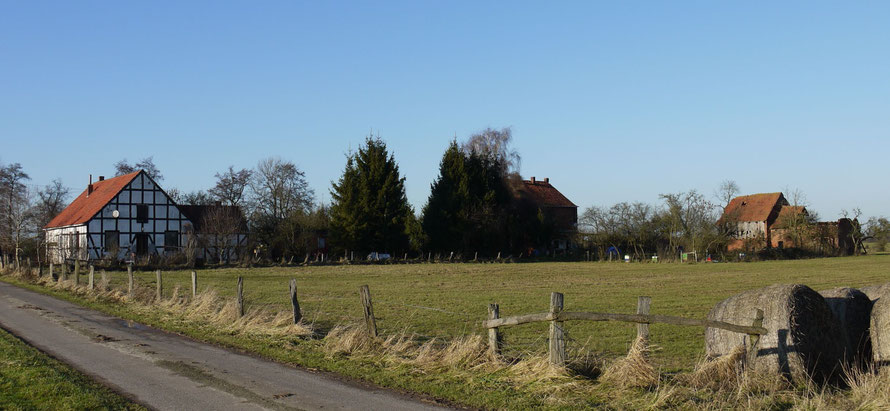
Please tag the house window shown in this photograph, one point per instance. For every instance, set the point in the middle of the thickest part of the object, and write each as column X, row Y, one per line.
column 171, row 240
column 112, row 241
column 141, row 213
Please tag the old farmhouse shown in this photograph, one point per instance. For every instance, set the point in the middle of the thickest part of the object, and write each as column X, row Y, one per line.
column 125, row 217
column 556, row 208
column 768, row 221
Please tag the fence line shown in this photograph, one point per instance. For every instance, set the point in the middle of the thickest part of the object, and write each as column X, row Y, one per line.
column 631, row 318
column 556, row 316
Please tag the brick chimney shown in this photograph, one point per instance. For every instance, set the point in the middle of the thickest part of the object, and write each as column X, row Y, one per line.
column 533, row 179
column 547, row 180
column 90, row 186
column 101, row 178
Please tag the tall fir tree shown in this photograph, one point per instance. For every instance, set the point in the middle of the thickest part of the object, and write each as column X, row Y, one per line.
column 444, row 213
column 466, row 210
column 370, row 209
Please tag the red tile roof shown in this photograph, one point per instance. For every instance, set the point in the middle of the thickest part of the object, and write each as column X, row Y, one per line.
column 542, row 193
column 754, row 207
column 84, row 207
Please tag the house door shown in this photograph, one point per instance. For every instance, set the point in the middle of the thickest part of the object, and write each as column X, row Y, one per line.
column 141, row 244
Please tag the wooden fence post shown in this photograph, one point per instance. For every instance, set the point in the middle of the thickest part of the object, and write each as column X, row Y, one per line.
column 298, row 315
column 194, row 285
column 76, row 272
column 557, row 334
column 91, row 278
column 130, row 282
column 50, row 271
column 368, row 308
column 104, row 278
column 159, row 284
column 643, row 304
column 494, row 340
column 754, row 339
column 240, row 296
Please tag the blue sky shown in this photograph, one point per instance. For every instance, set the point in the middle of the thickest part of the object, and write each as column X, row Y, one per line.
column 615, row 101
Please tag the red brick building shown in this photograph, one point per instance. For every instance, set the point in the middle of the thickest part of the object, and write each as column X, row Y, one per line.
column 557, row 209
column 768, row 221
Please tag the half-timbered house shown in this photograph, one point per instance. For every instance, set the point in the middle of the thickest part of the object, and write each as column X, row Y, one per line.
column 118, row 218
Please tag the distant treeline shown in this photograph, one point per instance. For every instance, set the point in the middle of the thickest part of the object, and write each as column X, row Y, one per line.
column 474, row 207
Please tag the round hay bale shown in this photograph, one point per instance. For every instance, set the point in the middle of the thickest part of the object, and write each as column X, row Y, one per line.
column 803, row 338
column 875, row 291
column 880, row 332
column 852, row 309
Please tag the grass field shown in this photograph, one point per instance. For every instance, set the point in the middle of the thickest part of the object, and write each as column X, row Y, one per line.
column 444, row 302
column 31, row 380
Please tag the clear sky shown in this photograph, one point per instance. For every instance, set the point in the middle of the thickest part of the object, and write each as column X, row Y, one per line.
column 614, row 101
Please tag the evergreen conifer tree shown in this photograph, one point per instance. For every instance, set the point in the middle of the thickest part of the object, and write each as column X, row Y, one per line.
column 370, row 210
column 445, row 212
column 466, row 210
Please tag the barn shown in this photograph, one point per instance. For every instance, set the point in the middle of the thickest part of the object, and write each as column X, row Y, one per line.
column 768, row 221
column 121, row 218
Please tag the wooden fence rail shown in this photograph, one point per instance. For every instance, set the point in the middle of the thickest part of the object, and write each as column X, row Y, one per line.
column 630, row 318
column 556, row 316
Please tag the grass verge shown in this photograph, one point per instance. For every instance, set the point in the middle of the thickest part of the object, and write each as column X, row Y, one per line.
column 29, row 380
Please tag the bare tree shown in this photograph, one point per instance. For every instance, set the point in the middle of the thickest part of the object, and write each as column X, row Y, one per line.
column 51, row 200
column 691, row 220
column 231, row 186
column 198, row 197
column 798, row 222
column 15, row 214
column 878, row 228
column 796, row 197
column 220, row 230
column 727, row 190
column 280, row 188
column 496, row 144
column 857, row 235
column 123, row 167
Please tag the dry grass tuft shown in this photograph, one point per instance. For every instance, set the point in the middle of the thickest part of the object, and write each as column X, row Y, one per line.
column 634, row 370
column 348, row 340
column 537, row 369
column 427, row 353
column 869, row 389
column 465, row 352
column 398, row 344
column 722, row 373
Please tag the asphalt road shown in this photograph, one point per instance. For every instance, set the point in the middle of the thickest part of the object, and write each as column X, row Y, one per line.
column 169, row 372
